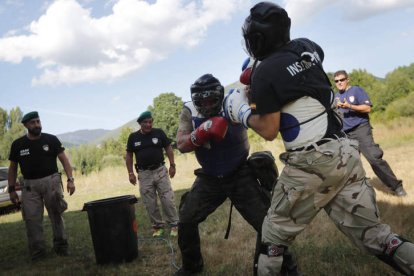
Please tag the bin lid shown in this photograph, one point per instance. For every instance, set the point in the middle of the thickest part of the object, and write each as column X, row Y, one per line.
column 130, row 199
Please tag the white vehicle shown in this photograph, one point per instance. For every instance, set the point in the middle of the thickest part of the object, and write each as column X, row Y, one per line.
column 5, row 203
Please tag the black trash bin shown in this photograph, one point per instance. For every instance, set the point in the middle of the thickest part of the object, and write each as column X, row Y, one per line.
column 113, row 228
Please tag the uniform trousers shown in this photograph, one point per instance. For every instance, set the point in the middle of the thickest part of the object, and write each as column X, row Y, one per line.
column 153, row 183
column 37, row 194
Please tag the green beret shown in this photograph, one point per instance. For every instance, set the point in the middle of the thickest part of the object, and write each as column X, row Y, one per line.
column 29, row 116
column 144, row 115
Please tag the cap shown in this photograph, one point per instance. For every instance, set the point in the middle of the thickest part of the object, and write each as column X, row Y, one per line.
column 29, row 116
column 144, row 115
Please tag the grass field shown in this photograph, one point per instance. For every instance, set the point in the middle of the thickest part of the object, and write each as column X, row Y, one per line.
column 320, row 249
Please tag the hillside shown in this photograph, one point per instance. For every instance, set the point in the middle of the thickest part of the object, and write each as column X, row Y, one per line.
column 113, row 134
column 79, row 137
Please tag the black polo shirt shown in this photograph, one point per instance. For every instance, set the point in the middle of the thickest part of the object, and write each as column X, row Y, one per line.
column 37, row 158
column 148, row 148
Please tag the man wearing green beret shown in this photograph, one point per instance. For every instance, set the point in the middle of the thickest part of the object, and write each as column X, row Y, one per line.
column 147, row 144
column 36, row 154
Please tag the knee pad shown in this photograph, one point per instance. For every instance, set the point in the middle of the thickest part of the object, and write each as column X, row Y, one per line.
column 399, row 254
column 272, row 250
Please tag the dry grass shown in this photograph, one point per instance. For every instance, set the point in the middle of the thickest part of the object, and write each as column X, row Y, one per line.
column 321, row 249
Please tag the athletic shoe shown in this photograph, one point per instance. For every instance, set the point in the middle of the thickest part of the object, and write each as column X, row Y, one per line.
column 174, row 231
column 158, row 233
column 400, row 191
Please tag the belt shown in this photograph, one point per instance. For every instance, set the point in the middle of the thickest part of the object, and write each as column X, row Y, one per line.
column 320, row 142
column 150, row 167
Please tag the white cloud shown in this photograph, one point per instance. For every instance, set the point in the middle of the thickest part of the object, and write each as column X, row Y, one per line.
column 304, row 10
column 71, row 46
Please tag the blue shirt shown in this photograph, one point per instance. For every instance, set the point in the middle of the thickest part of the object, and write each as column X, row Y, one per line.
column 355, row 95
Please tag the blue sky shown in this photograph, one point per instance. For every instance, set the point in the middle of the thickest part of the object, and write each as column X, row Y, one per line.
column 87, row 64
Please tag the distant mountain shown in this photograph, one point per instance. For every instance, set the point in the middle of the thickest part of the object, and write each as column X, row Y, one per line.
column 80, row 137
column 114, row 134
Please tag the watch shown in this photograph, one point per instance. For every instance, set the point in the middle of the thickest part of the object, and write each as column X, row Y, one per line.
column 71, row 179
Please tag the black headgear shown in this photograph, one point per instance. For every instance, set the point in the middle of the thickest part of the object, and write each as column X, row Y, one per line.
column 266, row 29
column 207, row 87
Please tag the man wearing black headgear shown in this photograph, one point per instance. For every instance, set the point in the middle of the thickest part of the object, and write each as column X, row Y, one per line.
column 291, row 94
column 36, row 155
column 221, row 150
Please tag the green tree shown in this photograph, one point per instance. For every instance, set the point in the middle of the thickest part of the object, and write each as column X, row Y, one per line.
column 397, row 85
column 12, row 128
column 3, row 122
column 363, row 79
column 401, row 107
column 166, row 110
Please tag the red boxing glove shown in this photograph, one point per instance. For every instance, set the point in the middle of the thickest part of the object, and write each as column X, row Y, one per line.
column 245, row 76
column 215, row 128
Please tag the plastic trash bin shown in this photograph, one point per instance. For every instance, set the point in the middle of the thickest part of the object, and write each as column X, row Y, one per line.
column 113, row 228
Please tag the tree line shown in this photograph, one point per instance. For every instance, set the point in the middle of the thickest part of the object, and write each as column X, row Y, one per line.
column 391, row 98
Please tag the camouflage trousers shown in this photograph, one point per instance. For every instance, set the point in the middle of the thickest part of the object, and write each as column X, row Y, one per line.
column 37, row 194
column 331, row 177
column 153, row 183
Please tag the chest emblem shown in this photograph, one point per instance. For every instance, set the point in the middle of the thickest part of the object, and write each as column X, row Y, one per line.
column 137, row 144
column 352, row 99
column 24, row 152
column 45, row 147
column 155, row 140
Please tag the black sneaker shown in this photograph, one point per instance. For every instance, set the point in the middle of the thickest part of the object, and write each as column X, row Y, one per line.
column 400, row 192
column 61, row 252
column 183, row 272
column 38, row 255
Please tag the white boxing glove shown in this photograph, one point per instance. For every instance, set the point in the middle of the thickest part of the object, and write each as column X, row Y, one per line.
column 236, row 107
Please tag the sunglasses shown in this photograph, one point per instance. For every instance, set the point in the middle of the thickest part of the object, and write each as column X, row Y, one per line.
column 340, row 80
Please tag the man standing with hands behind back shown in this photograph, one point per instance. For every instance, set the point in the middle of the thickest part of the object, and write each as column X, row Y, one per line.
column 36, row 154
column 354, row 106
column 148, row 144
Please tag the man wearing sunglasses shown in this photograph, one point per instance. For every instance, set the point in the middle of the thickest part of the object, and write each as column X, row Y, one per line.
column 354, row 107
column 291, row 94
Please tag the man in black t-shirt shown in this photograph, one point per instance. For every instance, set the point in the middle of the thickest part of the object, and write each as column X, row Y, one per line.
column 36, row 155
column 148, row 144
column 290, row 93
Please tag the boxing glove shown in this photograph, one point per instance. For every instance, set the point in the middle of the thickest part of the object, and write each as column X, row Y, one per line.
column 245, row 76
column 236, row 107
column 215, row 128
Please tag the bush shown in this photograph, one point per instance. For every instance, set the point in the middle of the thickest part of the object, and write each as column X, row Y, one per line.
column 111, row 160
column 401, row 108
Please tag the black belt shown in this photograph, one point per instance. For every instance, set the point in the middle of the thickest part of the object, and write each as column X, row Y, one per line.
column 150, row 167
column 320, row 142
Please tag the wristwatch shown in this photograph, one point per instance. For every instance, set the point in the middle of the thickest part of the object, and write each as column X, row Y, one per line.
column 71, row 179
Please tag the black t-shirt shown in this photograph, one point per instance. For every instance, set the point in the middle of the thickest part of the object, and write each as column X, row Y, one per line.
column 37, row 158
column 148, row 148
column 293, row 72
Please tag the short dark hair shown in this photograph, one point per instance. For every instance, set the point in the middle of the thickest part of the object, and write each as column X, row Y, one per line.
column 341, row 72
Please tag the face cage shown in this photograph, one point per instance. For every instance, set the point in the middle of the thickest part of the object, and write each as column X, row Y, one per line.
column 211, row 110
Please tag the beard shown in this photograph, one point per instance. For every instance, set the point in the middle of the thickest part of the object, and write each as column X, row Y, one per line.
column 35, row 131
